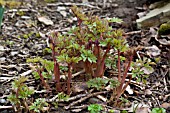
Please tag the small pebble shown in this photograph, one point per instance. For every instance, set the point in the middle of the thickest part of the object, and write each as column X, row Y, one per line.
column 148, row 92
column 3, row 101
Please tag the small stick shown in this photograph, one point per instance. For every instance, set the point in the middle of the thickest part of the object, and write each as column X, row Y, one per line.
column 83, row 99
column 71, row 4
column 133, row 32
column 6, row 107
column 69, row 99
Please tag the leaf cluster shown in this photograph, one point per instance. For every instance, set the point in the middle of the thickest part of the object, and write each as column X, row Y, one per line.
column 141, row 68
column 158, row 110
column 95, row 108
column 20, row 94
column 46, row 65
column 62, row 96
column 38, row 105
column 100, row 83
column 98, row 46
column 21, row 91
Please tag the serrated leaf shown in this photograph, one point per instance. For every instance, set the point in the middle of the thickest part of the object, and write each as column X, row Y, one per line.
column 115, row 19
column 103, row 44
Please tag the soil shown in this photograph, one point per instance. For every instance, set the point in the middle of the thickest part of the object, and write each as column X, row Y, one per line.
column 20, row 40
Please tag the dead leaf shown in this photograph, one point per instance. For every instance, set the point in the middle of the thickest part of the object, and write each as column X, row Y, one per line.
column 64, row 13
column 142, row 110
column 153, row 51
column 148, row 92
column 45, row 20
column 129, row 90
column 147, row 71
column 165, row 105
column 163, row 39
column 79, row 87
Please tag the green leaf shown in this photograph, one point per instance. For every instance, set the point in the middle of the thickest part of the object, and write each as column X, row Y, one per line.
column 115, row 19
column 38, row 105
column 34, row 60
column 88, row 55
column 103, row 44
column 36, row 75
column 62, row 96
column 89, row 59
column 61, row 58
column 49, row 65
column 158, row 110
column 13, row 99
column 95, row 108
column 25, row 92
column 97, row 83
column 17, row 83
column 113, row 83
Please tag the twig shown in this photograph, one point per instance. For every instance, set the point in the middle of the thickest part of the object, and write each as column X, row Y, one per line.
column 133, row 32
column 166, row 97
column 78, row 73
column 166, row 88
column 71, row 4
column 75, row 74
column 77, row 96
column 138, row 84
column 78, row 109
column 26, row 73
column 102, row 98
column 70, row 99
column 156, row 99
column 42, row 91
column 6, row 107
column 83, row 99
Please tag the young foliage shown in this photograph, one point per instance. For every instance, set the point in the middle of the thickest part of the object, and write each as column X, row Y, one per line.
column 100, row 83
column 158, row 110
column 96, row 38
column 21, row 90
column 39, row 105
column 62, row 96
column 141, row 68
column 95, row 108
column 20, row 93
column 97, row 45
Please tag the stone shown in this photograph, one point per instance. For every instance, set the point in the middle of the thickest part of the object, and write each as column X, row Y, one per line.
column 155, row 17
column 2, row 59
column 25, row 17
column 14, row 53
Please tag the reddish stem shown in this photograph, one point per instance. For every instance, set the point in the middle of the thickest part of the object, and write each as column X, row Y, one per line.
column 126, row 71
column 88, row 67
column 118, row 65
column 79, row 23
column 56, row 67
column 120, row 88
column 101, row 64
column 123, row 89
column 98, row 64
column 125, row 86
column 42, row 80
column 57, row 76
